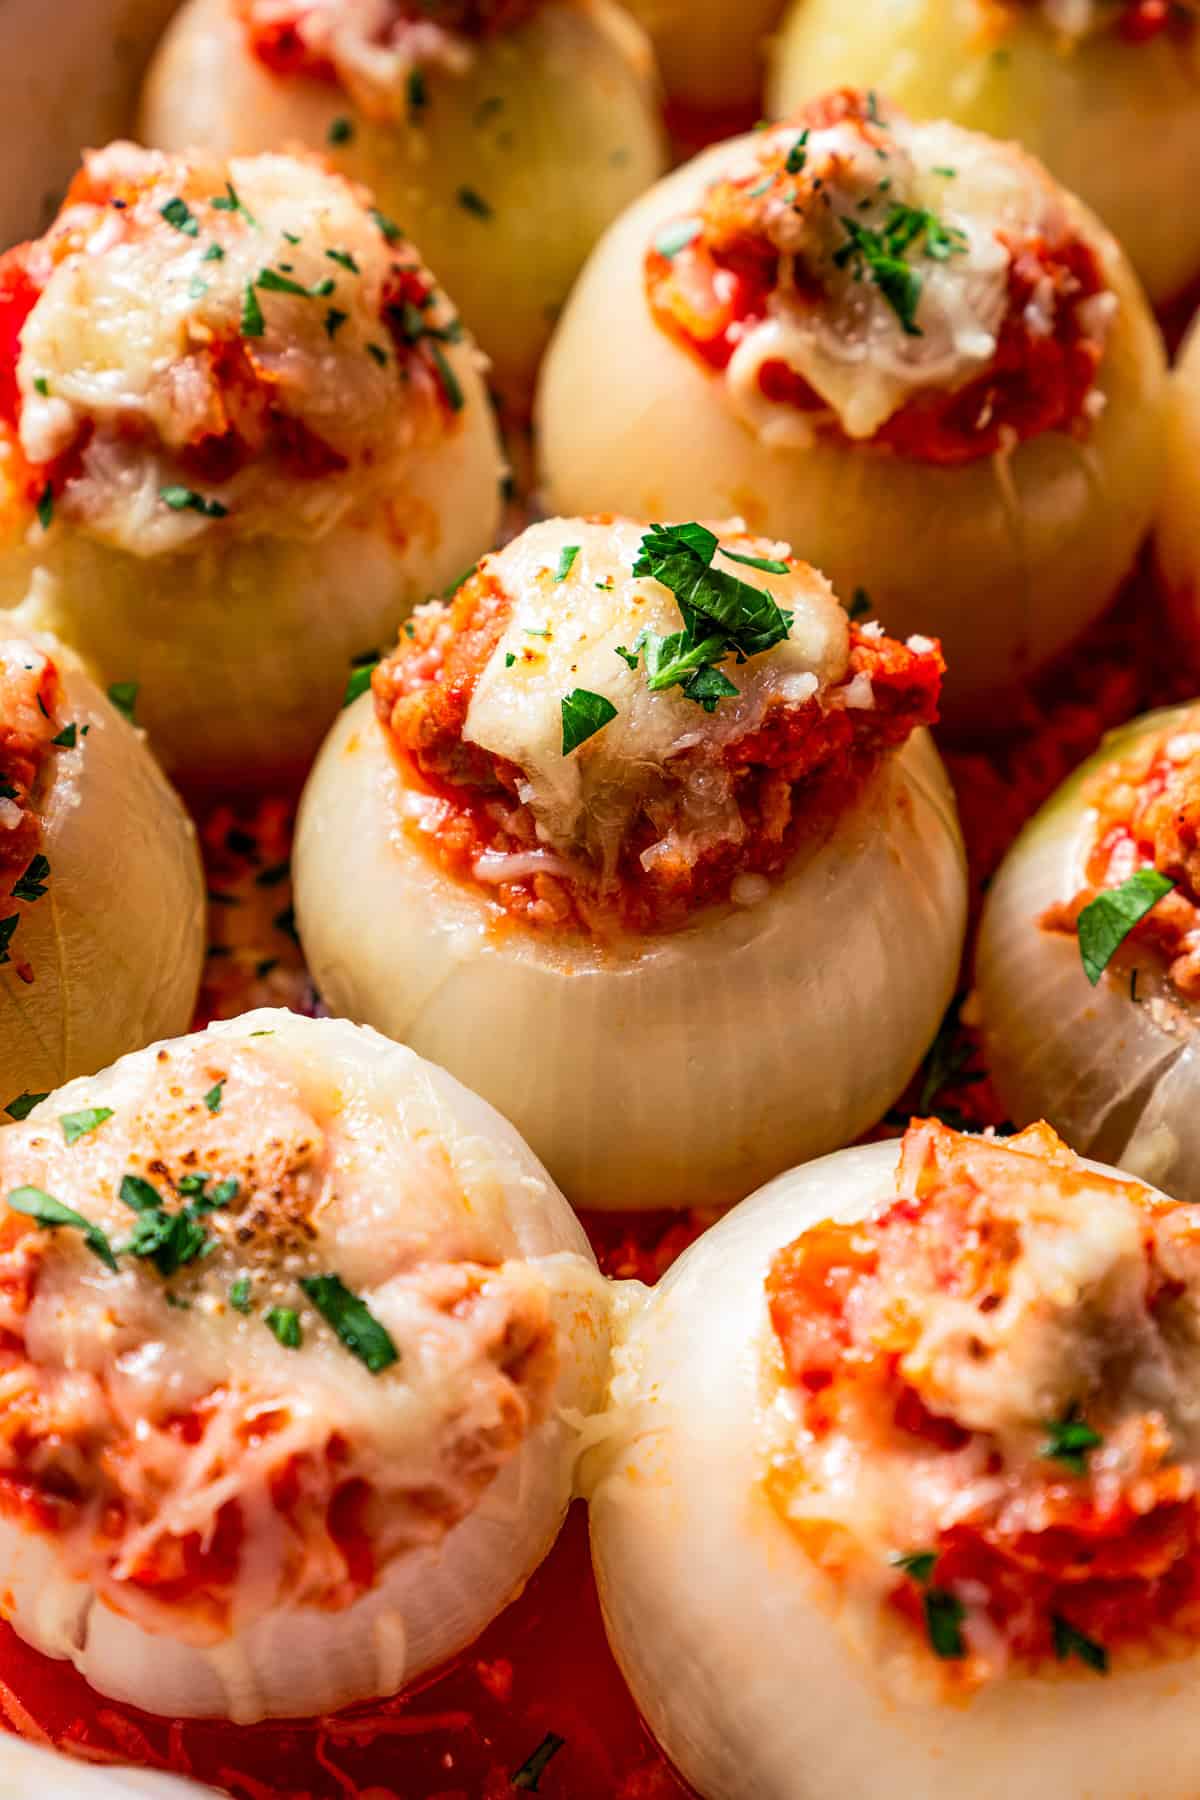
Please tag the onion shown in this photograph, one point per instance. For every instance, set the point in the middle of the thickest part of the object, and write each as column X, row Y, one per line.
column 26, row 1770
column 1177, row 538
column 414, row 1178
column 1084, row 110
column 553, row 127
column 672, row 1071
column 1115, row 1074
column 116, row 943
column 711, row 54
column 725, row 1628
column 1005, row 559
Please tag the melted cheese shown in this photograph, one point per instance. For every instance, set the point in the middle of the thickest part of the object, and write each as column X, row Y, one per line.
column 345, row 1165
column 120, row 339
column 852, row 348
column 563, row 635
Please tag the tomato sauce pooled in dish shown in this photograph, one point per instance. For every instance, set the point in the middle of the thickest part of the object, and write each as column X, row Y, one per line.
column 659, row 809
column 1148, row 817
column 994, row 1444
column 909, row 286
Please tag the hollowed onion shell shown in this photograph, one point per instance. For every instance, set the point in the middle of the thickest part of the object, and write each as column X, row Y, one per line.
column 1117, row 1076
column 677, row 1070
column 1177, row 536
column 720, row 1620
column 1005, row 562
column 554, row 127
column 1117, row 123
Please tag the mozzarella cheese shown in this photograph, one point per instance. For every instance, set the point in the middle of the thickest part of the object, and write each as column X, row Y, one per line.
column 564, row 633
column 852, row 347
column 123, row 337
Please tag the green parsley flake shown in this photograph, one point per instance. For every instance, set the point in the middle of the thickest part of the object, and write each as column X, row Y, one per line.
column 361, row 671
column 45, row 507
column 389, row 227
column 253, row 323
column 509, row 659
column 449, row 380
column 123, row 695
column 344, row 260
column 35, row 1203
column 1104, row 925
column 81, row 1124
column 353, row 1321
column 185, row 499
column 944, row 1615
column 1070, row 1642
column 272, row 282
column 239, row 1294
column 32, row 884
column 797, row 156
column 917, row 1563
column 42, row 386
column 583, row 715
column 23, row 1105
column 230, row 201
column 178, row 213
column 769, row 565
column 566, row 561
column 530, row 1773
column 417, row 92
column 379, row 353
column 473, row 202
column 215, row 1095
column 284, row 1321
column 334, row 320
column 1069, row 1441
column 880, row 255
column 214, row 253
column 7, row 927
column 674, row 238
column 341, row 131
column 861, row 606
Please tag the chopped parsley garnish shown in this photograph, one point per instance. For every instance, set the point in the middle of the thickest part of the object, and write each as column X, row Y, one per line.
column 253, row 323
column 917, row 1563
column 23, row 1105
column 341, row 131
column 566, row 561
column 35, row 1203
column 284, row 1321
column 449, row 380
column 231, row 202
column 353, row 1321
column 674, row 238
column 334, row 320
column 944, row 1615
column 272, row 282
column 139, row 1194
column 583, row 715
column 860, row 606
column 7, row 927
column 769, row 565
column 45, row 507
column 509, row 659
column 214, row 253
column 1070, row 1642
column 186, row 499
column 32, row 884
column 42, row 386
column 123, row 695
column 379, row 353
column 1104, row 925
column 178, row 213
column 215, row 1095
column 418, row 94
column 389, row 227
column 1069, row 1441
column 880, row 254
column 344, row 260
column 285, row 921
column 239, row 1294
column 278, row 872
column 81, row 1124
column 722, row 616
column 171, row 1239
column 797, row 156
column 531, row 1772
column 473, row 202
column 361, row 670
column 197, row 288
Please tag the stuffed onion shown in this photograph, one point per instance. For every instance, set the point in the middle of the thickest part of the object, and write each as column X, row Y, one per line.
column 1105, row 92
column 298, row 1339
column 505, row 134
column 711, row 54
column 898, row 346
column 243, row 433
column 1177, row 536
column 897, row 1490
column 628, row 838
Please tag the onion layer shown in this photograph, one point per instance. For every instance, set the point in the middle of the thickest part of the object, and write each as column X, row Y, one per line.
column 550, row 131
column 1112, row 1068
column 382, row 1109
column 1177, row 539
column 1005, row 560
column 116, row 943
column 722, row 1623
column 1117, row 123
column 672, row 1071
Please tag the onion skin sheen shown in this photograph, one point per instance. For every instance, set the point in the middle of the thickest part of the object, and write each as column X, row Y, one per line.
column 1117, row 123
column 1114, row 1079
column 722, row 1624
column 710, row 54
column 674, row 1072
column 435, row 1599
column 116, row 943
column 241, row 650
column 577, row 87
column 26, row 1770
column 631, row 422
column 1177, row 536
